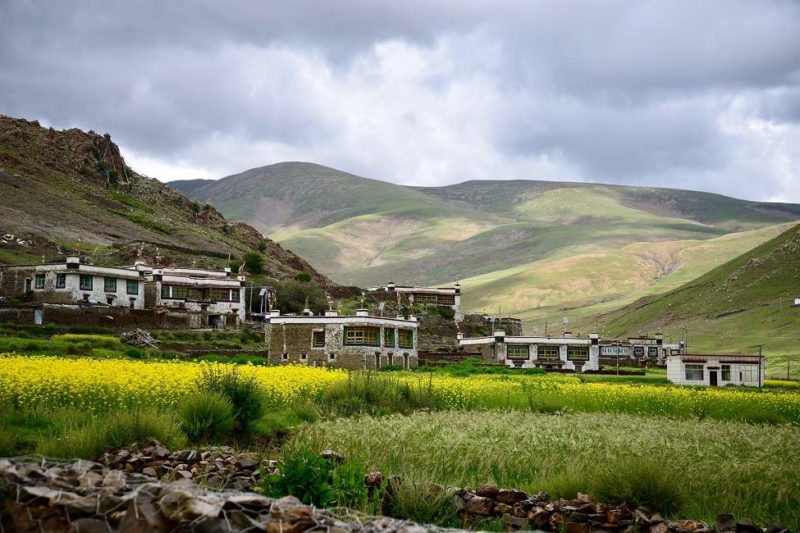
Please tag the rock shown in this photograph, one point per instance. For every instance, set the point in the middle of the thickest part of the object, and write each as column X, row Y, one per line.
column 514, row 523
column 583, row 498
column 248, row 461
column 577, row 527
column 89, row 525
column 488, row 490
column 373, row 479
column 241, row 484
column 331, row 455
column 577, row 516
column 640, row 517
column 659, row 527
column 690, row 526
column 90, row 479
column 557, row 520
column 539, row 517
column 656, row 518
column 725, row 522
column 479, row 505
column 777, row 528
column 747, row 526
column 510, row 497
column 502, row 508
column 114, row 479
column 149, row 471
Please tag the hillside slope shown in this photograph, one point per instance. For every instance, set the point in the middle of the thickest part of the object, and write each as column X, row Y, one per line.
column 736, row 307
column 66, row 190
column 533, row 248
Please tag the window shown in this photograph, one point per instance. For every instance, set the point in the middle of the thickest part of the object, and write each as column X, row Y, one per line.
column 132, row 286
column 303, row 356
column 224, row 295
column 446, row 299
column 331, row 356
column 577, row 353
column 638, row 351
column 110, row 284
column 177, row 292
column 652, row 351
column 61, row 281
column 517, row 351
column 748, row 374
column 285, row 356
column 85, row 282
column 726, row 373
column 317, row 339
column 425, row 299
column 362, row 336
column 405, row 338
column 549, row 353
column 389, row 336
column 39, row 281
column 694, row 373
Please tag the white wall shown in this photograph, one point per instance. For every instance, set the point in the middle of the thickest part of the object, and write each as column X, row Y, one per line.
column 74, row 293
column 676, row 372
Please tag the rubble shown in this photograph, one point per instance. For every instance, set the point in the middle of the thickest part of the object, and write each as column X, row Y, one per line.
column 139, row 337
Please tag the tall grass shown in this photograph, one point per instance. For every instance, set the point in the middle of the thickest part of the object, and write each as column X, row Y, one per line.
column 376, row 394
column 688, row 467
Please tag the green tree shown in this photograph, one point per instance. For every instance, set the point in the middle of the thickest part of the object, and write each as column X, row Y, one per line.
column 254, row 262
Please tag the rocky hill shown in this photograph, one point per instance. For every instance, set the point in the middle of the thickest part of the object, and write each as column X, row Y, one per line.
column 739, row 306
column 536, row 249
column 65, row 191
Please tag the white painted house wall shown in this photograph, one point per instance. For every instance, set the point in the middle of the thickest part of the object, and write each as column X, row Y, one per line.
column 749, row 374
column 73, row 292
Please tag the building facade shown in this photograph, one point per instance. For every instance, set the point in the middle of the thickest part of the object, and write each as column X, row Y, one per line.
column 73, row 282
column 640, row 348
column 210, row 299
column 354, row 342
column 439, row 296
column 562, row 353
column 716, row 370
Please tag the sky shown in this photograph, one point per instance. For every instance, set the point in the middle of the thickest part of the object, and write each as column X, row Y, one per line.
column 673, row 93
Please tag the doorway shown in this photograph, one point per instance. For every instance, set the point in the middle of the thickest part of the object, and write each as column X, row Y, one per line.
column 712, row 378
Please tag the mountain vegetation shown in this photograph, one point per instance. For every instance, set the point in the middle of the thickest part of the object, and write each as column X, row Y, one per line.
column 536, row 249
column 72, row 192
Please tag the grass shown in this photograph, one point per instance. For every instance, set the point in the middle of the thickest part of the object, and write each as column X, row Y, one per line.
column 689, row 467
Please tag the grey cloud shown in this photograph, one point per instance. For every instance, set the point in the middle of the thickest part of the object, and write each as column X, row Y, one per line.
column 628, row 91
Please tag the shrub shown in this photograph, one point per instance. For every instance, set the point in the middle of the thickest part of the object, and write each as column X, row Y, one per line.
column 254, row 262
column 234, row 266
column 207, row 417
column 279, row 424
column 424, row 503
column 448, row 313
column 303, row 277
column 375, row 394
column 262, row 246
column 134, row 353
column 303, row 474
column 241, row 391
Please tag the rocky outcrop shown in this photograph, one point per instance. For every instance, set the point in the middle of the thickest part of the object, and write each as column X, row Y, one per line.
column 84, row 496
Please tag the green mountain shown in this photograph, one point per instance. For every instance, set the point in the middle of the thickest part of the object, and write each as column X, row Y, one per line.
column 536, row 249
column 736, row 307
column 62, row 191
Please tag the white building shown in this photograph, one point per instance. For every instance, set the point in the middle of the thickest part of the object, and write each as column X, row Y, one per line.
column 213, row 299
column 354, row 342
column 440, row 296
column 74, row 282
column 716, row 370
column 566, row 353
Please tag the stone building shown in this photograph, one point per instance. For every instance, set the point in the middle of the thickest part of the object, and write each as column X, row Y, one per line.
column 641, row 348
column 210, row 299
column 73, row 281
column 440, row 296
column 716, row 370
column 354, row 342
column 562, row 353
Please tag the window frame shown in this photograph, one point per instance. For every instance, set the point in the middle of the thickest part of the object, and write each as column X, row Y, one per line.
column 407, row 342
column 134, row 283
column 108, row 283
column 85, row 282
column 38, row 281
column 521, row 347
column 748, row 373
column 365, row 338
column 688, row 368
column 389, row 337
column 314, row 343
column 584, row 355
column 61, row 281
column 548, row 357
column 725, row 370
column 638, row 351
column 652, row 351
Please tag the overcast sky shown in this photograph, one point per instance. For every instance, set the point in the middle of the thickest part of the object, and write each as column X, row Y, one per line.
column 690, row 94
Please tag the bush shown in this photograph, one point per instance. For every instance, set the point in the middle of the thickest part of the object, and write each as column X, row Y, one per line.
column 376, row 394
column 207, row 417
column 303, row 277
column 134, row 353
column 640, row 481
column 279, row 424
column 241, row 391
column 303, row 474
column 262, row 246
column 448, row 313
column 424, row 503
column 254, row 263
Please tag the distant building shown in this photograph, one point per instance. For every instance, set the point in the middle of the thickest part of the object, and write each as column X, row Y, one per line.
column 440, row 296
column 562, row 353
column 640, row 348
column 354, row 342
column 73, row 282
column 716, row 370
column 210, row 299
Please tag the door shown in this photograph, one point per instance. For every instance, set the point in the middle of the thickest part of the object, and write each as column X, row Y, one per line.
column 28, row 285
column 38, row 316
column 712, row 378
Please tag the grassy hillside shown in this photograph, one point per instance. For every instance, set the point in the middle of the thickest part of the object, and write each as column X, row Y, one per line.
column 67, row 190
column 735, row 307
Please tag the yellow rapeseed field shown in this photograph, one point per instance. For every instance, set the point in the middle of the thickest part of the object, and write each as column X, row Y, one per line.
column 108, row 384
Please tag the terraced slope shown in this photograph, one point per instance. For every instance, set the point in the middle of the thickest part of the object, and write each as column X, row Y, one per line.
column 66, row 190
